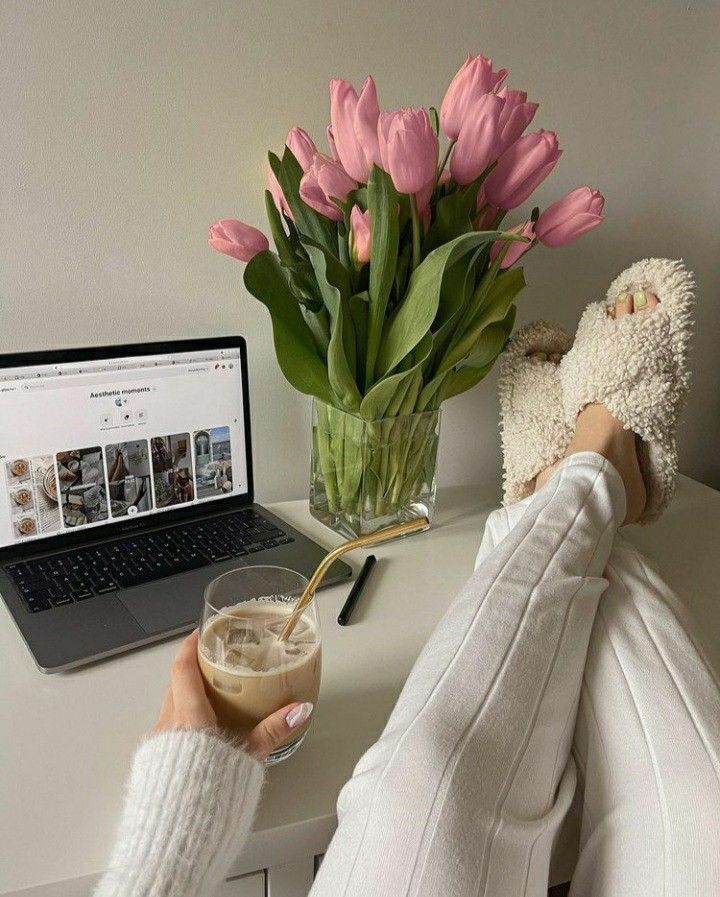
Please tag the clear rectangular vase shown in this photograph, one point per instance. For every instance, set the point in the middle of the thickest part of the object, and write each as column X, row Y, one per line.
column 367, row 475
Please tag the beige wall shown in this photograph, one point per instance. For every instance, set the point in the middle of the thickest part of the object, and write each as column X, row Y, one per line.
column 127, row 127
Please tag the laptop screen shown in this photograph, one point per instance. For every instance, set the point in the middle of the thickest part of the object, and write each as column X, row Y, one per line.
column 86, row 444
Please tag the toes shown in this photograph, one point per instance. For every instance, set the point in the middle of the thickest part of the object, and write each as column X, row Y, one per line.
column 623, row 305
column 555, row 357
column 644, row 300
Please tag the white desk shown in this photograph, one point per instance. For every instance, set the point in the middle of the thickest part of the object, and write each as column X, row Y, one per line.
column 67, row 739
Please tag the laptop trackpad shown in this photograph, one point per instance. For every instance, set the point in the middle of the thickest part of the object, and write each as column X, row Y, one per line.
column 168, row 603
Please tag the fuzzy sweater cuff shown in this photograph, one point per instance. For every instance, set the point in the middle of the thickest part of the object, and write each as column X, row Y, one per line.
column 190, row 802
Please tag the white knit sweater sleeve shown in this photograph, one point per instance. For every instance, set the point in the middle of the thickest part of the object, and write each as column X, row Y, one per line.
column 190, row 802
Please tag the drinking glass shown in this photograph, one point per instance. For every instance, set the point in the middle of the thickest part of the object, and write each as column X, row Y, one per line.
column 248, row 671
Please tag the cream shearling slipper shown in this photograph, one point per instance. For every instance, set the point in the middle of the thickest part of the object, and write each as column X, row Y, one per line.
column 637, row 366
column 533, row 429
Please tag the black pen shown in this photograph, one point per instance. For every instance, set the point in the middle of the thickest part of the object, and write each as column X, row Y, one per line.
column 352, row 598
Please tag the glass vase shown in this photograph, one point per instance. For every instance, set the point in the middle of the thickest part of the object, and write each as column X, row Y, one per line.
column 367, row 475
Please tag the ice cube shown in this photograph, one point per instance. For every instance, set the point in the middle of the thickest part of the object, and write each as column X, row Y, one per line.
column 229, row 686
column 275, row 627
column 233, row 658
column 241, row 634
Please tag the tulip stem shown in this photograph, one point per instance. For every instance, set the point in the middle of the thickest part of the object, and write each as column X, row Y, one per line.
column 416, row 230
column 441, row 167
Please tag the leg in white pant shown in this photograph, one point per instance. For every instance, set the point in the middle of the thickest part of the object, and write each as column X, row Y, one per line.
column 648, row 745
column 647, row 739
column 466, row 787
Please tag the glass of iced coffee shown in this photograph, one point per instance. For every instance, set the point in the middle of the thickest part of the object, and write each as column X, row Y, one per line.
column 249, row 672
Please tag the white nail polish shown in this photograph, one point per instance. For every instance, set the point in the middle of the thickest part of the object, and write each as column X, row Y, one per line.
column 298, row 715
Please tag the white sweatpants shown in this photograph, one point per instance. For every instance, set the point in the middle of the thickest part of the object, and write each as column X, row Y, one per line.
column 647, row 738
column 465, row 790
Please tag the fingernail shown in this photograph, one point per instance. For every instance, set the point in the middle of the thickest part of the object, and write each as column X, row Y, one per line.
column 640, row 299
column 297, row 716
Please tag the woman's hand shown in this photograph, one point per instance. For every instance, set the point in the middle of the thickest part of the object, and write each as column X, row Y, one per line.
column 186, row 706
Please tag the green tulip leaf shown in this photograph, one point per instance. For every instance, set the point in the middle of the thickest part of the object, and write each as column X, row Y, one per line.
column 282, row 241
column 359, row 306
column 481, row 360
column 454, row 215
column 494, row 303
column 341, row 350
column 307, row 221
column 295, row 346
column 420, row 305
column 376, row 403
column 384, row 235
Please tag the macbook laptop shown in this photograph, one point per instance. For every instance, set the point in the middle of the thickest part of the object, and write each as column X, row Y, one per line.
column 126, row 486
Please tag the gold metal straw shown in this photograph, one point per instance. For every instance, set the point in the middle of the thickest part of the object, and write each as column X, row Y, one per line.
column 381, row 535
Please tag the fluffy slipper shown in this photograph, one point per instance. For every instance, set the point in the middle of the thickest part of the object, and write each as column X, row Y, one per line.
column 532, row 425
column 637, row 366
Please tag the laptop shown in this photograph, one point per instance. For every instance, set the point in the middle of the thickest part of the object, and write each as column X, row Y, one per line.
column 126, row 486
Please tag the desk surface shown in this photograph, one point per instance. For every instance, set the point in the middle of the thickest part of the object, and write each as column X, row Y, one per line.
column 68, row 739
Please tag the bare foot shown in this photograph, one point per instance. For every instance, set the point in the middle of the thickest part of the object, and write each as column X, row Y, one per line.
column 597, row 430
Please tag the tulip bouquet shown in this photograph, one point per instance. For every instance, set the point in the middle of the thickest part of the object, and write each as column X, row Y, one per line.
column 393, row 281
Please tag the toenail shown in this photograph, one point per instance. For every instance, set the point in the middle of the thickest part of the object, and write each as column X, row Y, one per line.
column 623, row 297
column 541, row 356
column 640, row 299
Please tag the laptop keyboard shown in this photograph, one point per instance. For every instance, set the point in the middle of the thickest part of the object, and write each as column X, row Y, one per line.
column 83, row 573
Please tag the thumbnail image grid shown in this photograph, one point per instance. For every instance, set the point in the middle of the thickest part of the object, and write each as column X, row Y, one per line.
column 213, row 462
column 172, row 470
column 128, row 468
column 32, row 496
column 83, row 491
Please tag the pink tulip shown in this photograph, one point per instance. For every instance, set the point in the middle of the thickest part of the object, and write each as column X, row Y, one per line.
column 277, row 194
column 354, row 120
column 475, row 78
column 409, row 151
column 444, row 177
column 331, row 144
column 516, row 248
column 570, row 217
column 521, row 168
column 477, row 144
column 516, row 115
column 360, row 236
column 239, row 240
column 324, row 181
column 302, row 147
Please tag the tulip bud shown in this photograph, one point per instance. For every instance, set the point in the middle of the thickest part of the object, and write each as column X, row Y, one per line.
column 409, row 150
column 474, row 79
column 239, row 240
column 477, row 144
column 515, row 248
column 360, row 236
column 516, row 115
column 522, row 168
column 353, row 121
column 570, row 217
column 301, row 146
column 331, row 144
column 277, row 194
column 323, row 182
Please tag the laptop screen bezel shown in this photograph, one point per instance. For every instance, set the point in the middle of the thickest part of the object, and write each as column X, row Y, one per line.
column 123, row 528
